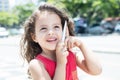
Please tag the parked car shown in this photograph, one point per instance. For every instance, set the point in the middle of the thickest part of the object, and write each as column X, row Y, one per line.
column 3, row 32
column 97, row 30
column 15, row 31
column 108, row 24
column 117, row 27
column 80, row 25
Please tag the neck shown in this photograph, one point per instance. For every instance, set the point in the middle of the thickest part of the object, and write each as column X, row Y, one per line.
column 49, row 54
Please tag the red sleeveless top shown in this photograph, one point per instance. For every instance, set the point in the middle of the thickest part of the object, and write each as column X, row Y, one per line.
column 50, row 66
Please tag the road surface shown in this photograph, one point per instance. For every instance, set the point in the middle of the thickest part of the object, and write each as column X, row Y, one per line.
column 13, row 68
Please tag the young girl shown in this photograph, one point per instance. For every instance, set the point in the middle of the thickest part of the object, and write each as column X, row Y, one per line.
column 48, row 56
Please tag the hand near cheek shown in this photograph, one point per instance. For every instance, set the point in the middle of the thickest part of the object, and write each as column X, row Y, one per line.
column 61, row 53
column 72, row 42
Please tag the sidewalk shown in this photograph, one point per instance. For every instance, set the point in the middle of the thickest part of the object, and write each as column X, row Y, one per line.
column 103, row 44
column 108, row 44
column 11, row 69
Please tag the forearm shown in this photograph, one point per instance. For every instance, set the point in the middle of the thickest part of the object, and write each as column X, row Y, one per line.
column 92, row 64
column 60, row 73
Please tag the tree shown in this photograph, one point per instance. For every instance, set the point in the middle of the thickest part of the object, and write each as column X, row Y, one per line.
column 93, row 10
column 8, row 19
column 24, row 11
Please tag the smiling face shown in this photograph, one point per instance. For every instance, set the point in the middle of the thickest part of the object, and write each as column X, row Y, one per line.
column 48, row 30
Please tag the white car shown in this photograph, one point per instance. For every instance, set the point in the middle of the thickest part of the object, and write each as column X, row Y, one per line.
column 3, row 32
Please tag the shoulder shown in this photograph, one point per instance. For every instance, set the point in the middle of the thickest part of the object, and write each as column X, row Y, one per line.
column 36, row 67
column 34, row 63
column 37, row 70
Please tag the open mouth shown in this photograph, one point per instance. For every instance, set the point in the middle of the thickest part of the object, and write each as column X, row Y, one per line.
column 52, row 40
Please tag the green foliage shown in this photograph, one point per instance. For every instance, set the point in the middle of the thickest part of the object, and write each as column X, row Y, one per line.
column 93, row 10
column 8, row 19
column 24, row 11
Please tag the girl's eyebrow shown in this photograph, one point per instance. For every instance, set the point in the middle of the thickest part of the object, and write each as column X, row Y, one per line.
column 43, row 25
column 57, row 24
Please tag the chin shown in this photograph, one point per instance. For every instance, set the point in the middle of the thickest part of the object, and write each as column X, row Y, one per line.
column 51, row 48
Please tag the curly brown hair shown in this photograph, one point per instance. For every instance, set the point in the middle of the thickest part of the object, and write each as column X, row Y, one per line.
column 29, row 48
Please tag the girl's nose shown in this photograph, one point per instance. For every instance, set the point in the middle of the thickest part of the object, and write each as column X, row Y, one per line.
column 50, row 32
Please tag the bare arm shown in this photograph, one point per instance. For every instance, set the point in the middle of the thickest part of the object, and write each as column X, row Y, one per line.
column 89, row 63
column 38, row 71
column 60, row 72
column 61, row 57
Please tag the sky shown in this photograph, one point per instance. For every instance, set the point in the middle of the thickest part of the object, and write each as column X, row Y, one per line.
column 12, row 3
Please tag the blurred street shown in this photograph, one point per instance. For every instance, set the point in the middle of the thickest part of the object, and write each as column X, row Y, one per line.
column 107, row 48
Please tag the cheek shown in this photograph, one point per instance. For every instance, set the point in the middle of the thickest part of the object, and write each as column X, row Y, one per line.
column 40, row 41
column 60, row 34
column 39, row 37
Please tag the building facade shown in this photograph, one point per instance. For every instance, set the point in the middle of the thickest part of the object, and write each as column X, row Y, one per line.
column 4, row 5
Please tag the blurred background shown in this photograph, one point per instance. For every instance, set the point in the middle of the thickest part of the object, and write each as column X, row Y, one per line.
column 97, row 22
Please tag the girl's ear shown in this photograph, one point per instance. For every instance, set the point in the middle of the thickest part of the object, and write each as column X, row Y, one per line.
column 33, row 37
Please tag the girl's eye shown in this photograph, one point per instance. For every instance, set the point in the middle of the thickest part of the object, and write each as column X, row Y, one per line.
column 43, row 29
column 57, row 27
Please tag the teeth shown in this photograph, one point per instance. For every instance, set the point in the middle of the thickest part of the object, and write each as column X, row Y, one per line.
column 51, row 39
